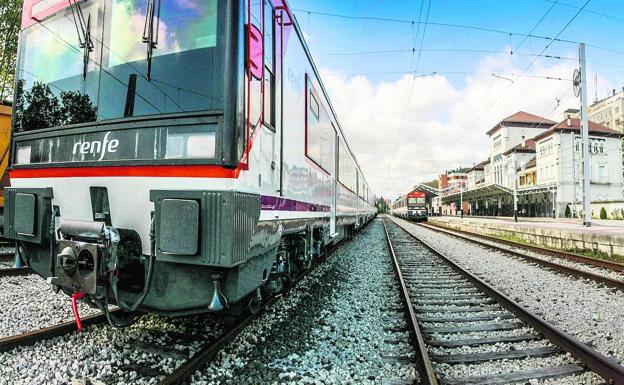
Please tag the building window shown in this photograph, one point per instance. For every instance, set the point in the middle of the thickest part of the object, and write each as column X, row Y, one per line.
column 602, row 171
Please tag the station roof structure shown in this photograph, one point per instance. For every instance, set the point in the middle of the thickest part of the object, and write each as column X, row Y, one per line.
column 527, row 147
column 574, row 125
column 523, row 119
column 479, row 166
column 429, row 191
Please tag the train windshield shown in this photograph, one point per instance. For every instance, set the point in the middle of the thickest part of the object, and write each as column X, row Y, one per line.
column 107, row 59
column 416, row 201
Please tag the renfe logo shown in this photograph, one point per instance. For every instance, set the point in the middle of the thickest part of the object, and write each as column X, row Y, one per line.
column 96, row 147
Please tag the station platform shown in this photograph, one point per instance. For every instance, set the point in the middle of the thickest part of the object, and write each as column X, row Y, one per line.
column 560, row 233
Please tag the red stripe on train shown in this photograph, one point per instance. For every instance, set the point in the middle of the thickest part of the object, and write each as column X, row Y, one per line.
column 194, row 171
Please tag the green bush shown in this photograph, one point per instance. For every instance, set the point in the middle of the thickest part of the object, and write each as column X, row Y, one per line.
column 568, row 213
column 603, row 213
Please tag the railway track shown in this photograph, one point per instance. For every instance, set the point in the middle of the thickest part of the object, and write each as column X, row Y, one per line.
column 520, row 250
column 7, row 263
column 30, row 338
column 469, row 333
column 208, row 352
column 185, row 362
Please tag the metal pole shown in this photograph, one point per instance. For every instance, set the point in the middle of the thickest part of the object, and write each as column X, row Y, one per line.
column 585, row 135
column 515, row 191
column 554, row 210
column 573, row 214
column 461, row 200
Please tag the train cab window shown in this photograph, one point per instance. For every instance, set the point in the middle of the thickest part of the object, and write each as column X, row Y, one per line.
column 269, row 65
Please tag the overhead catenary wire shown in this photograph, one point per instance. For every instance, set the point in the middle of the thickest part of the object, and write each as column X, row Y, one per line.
column 411, row 63
column 433, row 73
column 411, row 87
column 521, row 74
column 489, row 89
column 461, row 26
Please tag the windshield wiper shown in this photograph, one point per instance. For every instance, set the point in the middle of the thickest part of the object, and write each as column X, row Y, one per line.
column 83, row 29
column 150, row 31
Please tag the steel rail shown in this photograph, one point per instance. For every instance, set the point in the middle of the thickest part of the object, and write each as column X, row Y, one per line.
column 207, row 353
column 204, row 356
column 598, row 363
column 34, row 336
column 615, row 266
column 618, row 284
column 430, row 375
column 15, row 271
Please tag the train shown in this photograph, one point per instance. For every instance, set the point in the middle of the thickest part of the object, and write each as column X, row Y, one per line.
column 175, row 158
column 411, row 206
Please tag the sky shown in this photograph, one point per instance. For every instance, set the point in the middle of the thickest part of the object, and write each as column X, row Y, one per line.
column 416, row 99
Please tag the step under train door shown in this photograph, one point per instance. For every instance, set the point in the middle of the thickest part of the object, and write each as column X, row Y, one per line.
column 334, row 203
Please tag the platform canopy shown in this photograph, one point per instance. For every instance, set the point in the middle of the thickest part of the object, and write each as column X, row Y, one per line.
column 490, row 191
column 544, row 188
column 429, row 191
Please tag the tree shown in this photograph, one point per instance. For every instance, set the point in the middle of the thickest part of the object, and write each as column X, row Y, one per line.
column 432, row 183
column 10, row 22
column 382, row 205
column 568, row 213
column 603, row 213
column 77, row 108
column 42, row 110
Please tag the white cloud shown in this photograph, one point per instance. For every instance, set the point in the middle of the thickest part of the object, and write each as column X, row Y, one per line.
column 444, row 126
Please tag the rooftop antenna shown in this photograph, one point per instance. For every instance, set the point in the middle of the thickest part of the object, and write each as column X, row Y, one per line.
column 596, row 87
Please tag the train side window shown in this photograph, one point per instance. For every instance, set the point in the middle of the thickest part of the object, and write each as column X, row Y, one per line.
column 313, row 127
column 314, row 106
column 269, row 65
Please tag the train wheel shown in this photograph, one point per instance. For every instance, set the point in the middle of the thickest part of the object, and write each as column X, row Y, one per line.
column 255, row 303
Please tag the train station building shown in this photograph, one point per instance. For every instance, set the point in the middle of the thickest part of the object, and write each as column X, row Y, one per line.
column 539, row 161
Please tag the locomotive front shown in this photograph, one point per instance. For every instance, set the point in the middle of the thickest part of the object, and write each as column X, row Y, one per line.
column 126, row 141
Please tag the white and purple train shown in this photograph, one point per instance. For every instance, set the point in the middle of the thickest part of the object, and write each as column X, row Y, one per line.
column 174, row 157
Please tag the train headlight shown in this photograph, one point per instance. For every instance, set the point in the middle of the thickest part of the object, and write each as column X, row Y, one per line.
column 191, row 145
column 22, row 155
column 201, row 146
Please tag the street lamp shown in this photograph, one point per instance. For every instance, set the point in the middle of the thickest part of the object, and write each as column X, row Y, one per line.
column 461, row 200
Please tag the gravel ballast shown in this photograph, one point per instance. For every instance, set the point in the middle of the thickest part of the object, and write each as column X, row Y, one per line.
column 140, row 354
column 558, row 260
column 582, row 308
column 28, row 303
column 343, row 324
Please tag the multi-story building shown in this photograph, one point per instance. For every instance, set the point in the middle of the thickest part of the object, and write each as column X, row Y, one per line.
column 609, row 111
column 540, row 161
column 510, row 132
column 476, row 175
column 458, row 178
column 527, row 176
column 559, row 163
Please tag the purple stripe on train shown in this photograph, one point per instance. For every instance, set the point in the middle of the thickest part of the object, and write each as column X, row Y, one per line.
column 283, row 204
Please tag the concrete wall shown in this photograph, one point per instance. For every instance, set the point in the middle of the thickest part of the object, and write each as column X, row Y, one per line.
column 546, row 237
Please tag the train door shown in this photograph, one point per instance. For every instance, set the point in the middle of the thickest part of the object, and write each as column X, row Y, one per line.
column 357, row 199
column 270, row 95
column 334, row 204
column 282, row 21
